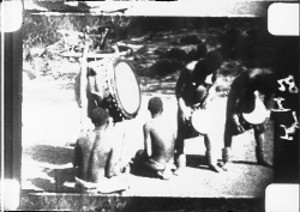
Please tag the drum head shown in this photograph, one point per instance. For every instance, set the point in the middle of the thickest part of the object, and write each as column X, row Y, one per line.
column 201, row 121
column 127, row 89
column 258, row 115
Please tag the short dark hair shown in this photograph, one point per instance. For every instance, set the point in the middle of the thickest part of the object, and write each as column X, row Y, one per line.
column 213, row 61
column 155, row 105
column 99, row 116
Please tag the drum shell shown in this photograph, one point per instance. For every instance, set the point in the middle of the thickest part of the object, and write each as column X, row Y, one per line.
column 112, row 100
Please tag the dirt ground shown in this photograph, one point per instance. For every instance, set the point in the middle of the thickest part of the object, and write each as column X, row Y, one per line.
column 51, row 125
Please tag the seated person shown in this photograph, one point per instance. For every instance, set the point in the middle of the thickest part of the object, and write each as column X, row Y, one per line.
column 157, row 158
column 97, row 156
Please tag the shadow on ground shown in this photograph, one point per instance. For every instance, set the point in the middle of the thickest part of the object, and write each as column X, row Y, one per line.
column 52, row 167
column 50, row 154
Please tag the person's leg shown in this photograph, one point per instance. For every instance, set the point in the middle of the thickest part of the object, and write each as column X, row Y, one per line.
column 137, row 164
column 226, row 151
column 114, row 184
column 230, row 126
column 168, row 171
column 182, row 131
column 145, row 166
column 261, row 156
column 211, row 154
column 228, row 135
column 91, row 104
column 159, row 170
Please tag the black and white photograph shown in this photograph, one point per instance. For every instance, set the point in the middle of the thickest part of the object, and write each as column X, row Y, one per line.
column 127, row 109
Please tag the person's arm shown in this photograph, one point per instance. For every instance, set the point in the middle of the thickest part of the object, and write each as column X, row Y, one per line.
column 182, row 80
column 109, row 171
column 269, row 100
column 180, row 83
column 147, row 140
column 114, row 165
column 77, row 155
column 92, row 84
column 232, row 108
column 112, row 161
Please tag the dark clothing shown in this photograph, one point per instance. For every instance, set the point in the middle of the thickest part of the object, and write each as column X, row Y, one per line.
column 186, row 131
column 241, row 99
column 192, row 89
column 186, row 88
column 193, row 94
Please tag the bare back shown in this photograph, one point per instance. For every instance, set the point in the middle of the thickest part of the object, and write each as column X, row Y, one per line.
column 162, row 136
column 93, row 154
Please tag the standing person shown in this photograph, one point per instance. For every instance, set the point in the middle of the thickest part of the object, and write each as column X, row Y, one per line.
column 244, row 98
column 97, row 155
column 157, row 157
column 191, row 90
column 89, row 89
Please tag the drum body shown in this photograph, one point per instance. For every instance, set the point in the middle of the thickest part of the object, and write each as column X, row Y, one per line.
column 117, row 85
column 122, row 93
column 210, row 119
column 259, row 114
column 201, row 121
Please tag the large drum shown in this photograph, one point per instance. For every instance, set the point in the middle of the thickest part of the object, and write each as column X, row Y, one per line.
column 123, row 95
column 118, row 86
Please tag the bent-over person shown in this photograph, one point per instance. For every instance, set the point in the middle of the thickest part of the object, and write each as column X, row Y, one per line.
column 244, row 97
column 97, row 156
column 191, row 91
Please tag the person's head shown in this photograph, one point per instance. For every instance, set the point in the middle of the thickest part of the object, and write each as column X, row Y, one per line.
column 264, row 80
column 155, row 105
column 206, row 66
column 99, row 117
column 213, row 61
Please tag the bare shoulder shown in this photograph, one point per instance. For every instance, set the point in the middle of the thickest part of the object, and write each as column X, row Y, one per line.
column 147, row 125
column 84, row 139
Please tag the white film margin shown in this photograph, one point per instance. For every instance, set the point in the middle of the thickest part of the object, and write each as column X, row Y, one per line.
column 283, row 19
column 282, row 197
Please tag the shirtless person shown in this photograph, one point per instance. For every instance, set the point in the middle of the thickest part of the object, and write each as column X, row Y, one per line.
column 191, row 90
column 157, row 157
column 97, row 156
column 241, row 99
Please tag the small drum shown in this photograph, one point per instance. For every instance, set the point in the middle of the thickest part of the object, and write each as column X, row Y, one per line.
column 258, row 115
column 201, row 121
